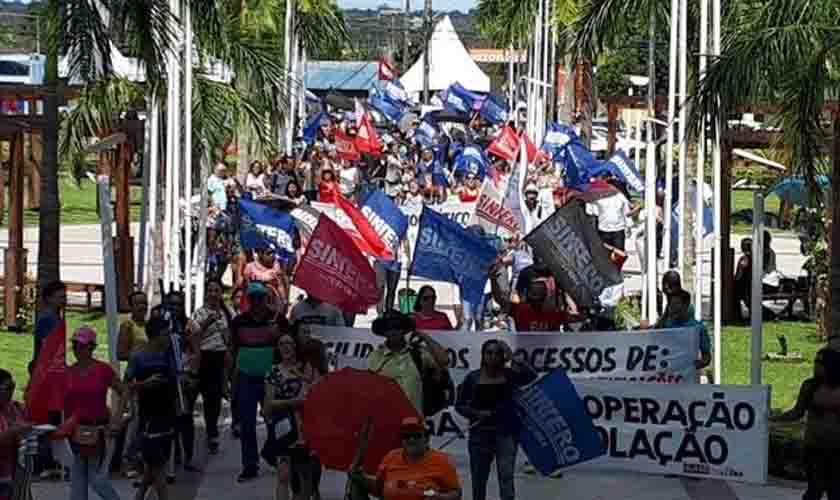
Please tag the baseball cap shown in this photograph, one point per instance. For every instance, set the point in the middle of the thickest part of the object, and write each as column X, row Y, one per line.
column 84, row 335
column 411, row 425
column 256, row 288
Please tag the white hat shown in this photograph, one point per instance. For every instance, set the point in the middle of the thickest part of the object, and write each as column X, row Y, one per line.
column 531, row 188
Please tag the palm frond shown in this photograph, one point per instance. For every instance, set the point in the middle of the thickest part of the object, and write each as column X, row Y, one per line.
column 507, row 22
column 81, row 34
column 147, row 28
column 605, row 24
column 321, row 27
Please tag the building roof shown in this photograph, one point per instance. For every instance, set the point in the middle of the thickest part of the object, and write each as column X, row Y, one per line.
column 341, row 75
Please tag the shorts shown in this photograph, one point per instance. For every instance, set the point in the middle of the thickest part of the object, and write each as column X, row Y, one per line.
column 157, row 435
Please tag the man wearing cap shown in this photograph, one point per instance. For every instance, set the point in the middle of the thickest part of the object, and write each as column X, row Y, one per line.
column 532, row 315
column 394, row 357
column 413, row 472
column 252, row 344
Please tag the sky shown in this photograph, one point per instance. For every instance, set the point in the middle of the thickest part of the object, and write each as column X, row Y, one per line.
column 462, row 5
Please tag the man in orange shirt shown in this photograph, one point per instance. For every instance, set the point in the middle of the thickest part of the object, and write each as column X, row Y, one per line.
column 414, row 472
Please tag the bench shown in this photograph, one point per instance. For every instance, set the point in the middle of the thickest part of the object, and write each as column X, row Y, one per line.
column 88, row 289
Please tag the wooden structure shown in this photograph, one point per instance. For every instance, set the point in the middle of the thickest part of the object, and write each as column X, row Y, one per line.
column 736, row 138
column 15, row 128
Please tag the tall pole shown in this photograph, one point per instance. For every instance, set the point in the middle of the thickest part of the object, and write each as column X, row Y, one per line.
column 701, row 161
column 650, row 174
column 175, row 228
column 718, row 181
column 293, row 87
column 405, row 62
column 188, row 149
column 148, row 132
column 103, row 185
column 756, row 351
column 288, row 40
column 511, row 81
column 683, row 90
column 669, row 151
column 171, row 148
column 427, row 35
column 153, row 192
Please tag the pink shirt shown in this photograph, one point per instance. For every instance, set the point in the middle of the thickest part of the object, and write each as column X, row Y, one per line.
column 87, row 392
column 434, row 320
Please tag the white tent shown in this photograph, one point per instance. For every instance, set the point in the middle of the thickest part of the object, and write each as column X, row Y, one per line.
column 450, row 63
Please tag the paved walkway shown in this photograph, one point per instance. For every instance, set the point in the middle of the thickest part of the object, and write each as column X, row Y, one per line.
column 218, row 482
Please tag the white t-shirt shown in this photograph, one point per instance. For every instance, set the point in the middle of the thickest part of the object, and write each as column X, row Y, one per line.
column 348, row 179
column 255, row 183
column 612, row 212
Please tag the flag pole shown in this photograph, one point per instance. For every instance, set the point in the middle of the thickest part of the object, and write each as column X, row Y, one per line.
column 683, row 90
column 718, row 181
column 669, row 151
column 701, row 161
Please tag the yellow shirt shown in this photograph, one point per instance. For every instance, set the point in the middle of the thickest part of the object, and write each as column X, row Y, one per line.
column 400, row 367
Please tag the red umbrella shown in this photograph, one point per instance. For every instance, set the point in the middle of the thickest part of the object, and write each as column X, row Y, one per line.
column 337, row 408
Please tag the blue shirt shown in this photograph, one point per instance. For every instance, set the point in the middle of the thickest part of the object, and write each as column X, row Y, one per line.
column 46, row 324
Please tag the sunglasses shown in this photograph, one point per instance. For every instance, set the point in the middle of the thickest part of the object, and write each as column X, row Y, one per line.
column 429, row 297
column 413, row 437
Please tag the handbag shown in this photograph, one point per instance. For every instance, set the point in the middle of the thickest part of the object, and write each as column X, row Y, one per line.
column 88, row 439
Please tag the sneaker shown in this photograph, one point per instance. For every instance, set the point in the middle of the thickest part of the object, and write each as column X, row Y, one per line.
column 556, row 475
column 527, row 468
column 249, row 473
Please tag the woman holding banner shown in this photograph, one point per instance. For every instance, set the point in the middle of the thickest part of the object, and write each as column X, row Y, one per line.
column 480, row 397
column 425, row 316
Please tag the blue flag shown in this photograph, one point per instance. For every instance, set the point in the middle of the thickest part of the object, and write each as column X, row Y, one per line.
column 564, row 145
column 459, row 99
column 622, row 168
column 472, row 160
column 494, row 109
column 389, row 222
column 385, row 105
column 555, row 431
column 445, row 251
column 395, row 92
column 557, row 136
column 427, row 131
column 263, row 226
column 310, row 129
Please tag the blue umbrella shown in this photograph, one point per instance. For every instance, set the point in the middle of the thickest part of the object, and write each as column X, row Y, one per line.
column 793, row 189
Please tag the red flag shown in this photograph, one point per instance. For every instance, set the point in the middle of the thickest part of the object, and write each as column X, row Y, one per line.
column 530, row 148
column 506, row 145
column 386, row 71
column 45, row 391
column 335, row 271
column 367, row 140
column 364, row 236
column 345, row 147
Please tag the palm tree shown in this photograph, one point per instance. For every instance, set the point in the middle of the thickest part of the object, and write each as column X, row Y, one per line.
column 244, row 36
column 784, row 53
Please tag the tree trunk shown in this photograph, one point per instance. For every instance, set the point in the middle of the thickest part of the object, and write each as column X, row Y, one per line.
column 834, row 326
column 50, row 217
column 584, row 98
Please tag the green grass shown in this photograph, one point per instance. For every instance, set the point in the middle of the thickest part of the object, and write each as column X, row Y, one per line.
column 743, row 200
column 16, row 348
column 784, row 377
column 78, row 203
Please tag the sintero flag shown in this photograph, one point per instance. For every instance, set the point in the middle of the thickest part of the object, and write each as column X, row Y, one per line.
column 360, row 230
column 622, row 168
column 445, row 251
column 266, row 227
column 389, row 222
column 555, row 431
column 345, row 146
column 568, row 243
column 310, row 129
column 461, row 100
column 505, row 145
column 335, row 271
column 392, row 110
column 494, row 109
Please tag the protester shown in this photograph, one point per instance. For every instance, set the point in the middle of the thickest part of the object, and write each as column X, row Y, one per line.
column 209, row 327
column 88, row 382
column 255, row 180
column 481, row 396
column 413, row 472
column 327, row 186
column 678, row 315
column 294, row 193
column 152, row 375
column 283, row 398
column 819, row 401
column 267, row 269
column 216, row 187
column 315, row 311
column 395, row 358
column 132, row 339
column 425, row 316
column 612, row 212
column 532, row 315
column 252, row 339
column 13, row 428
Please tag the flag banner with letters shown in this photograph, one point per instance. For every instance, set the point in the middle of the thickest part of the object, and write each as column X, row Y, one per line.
column 266, row 227
column 555, row 431
column 335, row 271
column 668, row 424
column 386, row 219
column 569, row 245
column 445, row 251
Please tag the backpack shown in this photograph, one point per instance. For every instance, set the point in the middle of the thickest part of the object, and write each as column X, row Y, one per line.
column 438, row 388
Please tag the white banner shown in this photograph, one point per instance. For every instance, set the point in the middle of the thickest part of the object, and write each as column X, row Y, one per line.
column 668, row 426
column 660, row 356
column 710, row 431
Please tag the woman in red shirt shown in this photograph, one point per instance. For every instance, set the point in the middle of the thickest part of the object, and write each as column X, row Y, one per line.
column 88, row 381
column 471, row 189
column 425, row 316
column 327, row 186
